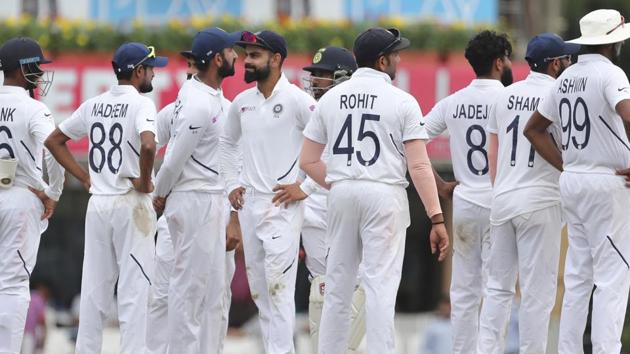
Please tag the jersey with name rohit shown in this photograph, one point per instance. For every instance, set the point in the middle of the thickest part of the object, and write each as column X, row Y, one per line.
column 364, row 122
column 269, row 132
column 191, row 162
column 524, row 182
column 583, row 103
column 465, row 115
column 25, row 124
column 113, row 122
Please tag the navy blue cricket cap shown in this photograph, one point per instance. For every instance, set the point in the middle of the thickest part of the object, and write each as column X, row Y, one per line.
column 130, row 55
column 265, row 39
column 377, row 41
column 20, row 51
column 547, row 46
column 209, row 42
column 331, row 59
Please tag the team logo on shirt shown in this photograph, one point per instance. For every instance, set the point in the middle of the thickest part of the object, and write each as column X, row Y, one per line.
column 277, row 109
column 247, row 109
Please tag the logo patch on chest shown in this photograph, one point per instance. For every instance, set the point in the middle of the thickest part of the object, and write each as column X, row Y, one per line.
column 277, row 109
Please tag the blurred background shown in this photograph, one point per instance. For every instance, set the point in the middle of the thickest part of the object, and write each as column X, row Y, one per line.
column 81, row 35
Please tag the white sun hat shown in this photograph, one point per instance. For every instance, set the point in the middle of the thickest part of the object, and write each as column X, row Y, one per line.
column 602, row 27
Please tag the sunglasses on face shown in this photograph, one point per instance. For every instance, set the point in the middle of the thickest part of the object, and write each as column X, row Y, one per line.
column 568, row 57
column 394, row 43
column 252, row 38
column 150, row 55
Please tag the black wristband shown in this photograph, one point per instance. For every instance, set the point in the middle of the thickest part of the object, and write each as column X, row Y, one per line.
column 437, row 222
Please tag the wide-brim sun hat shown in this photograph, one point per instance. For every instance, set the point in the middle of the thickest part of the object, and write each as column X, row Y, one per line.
column 602, row 27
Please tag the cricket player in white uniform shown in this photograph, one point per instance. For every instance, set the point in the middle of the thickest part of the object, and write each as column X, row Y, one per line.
column 465, row 115
column 190, row 191
column 525, row 216
column 330, row 67
column 379, row 135
column 120, row 220
column 267, row 121
column 591, row 101
column 24, row 125
column 157, row 331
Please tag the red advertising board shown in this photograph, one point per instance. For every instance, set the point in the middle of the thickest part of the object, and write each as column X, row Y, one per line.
column 81, row 76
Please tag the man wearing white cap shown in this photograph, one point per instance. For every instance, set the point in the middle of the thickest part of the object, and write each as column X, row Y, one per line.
column 591, row 101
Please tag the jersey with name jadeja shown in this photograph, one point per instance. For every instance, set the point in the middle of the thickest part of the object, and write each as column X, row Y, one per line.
column 465, row 115
column 583, row 102
column 524, row 181
column 364, row 122
column 113, row 122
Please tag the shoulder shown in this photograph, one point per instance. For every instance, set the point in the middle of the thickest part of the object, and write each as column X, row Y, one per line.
column 299, row 95
column 244, row 96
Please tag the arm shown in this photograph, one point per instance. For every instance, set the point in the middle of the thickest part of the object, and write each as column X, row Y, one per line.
column 536, row 132
column 56, row 144
column 233, row 232
column 623, row 109
column 143, row 184
column 434, row 122
column 493, row 151
column 422, row 176
column 230, row 157
column 41, row 126
column 311, row 162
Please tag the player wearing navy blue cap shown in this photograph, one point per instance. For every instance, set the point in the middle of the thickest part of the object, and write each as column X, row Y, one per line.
column 266, row 123
column 525, row 216
column 24, row 125
column 120, row 220
column 190, row 191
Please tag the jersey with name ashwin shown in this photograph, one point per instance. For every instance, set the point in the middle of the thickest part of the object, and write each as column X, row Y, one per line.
column 364, row 122
column 191, row 162
column 269, row 134
column 465, row 115
column 583, row 102
column 113, row 122
column 524, row 181
column 25, row 124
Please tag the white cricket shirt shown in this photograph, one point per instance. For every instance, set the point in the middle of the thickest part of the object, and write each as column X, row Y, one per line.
column 113, row 122
column 465, row 115
column 364, row 122
column 583, row 103
column 269, row 132
column 191, row 162
column 25, row 124
column 524, row 182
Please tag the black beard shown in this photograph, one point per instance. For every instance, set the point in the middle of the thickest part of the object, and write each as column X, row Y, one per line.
column 189, row 76
column 562, row 69
column 146, row 87
column 257, row 75
column 506, row 77
column 226, row 69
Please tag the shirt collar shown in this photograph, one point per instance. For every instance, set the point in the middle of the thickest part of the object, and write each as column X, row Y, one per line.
column 593, row 57
column 8, row 89
column 486, row 83
column 203, row 87
column 371, row 73
column 539, row 77
column 123, row 89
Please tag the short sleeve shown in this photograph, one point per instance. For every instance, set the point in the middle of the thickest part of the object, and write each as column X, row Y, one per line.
column 413, row 126
column 41, row 123
column 75, row 127
column 492, row 126
column 145, row 118
column 315, row 129
column 305, row 108
column 548, row 109
column 163, row 122
column 616, row 88
column 435, row 121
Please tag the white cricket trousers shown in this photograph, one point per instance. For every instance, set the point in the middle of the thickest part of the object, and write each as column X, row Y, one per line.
column 597, row 210
column 471, row 247
column 314, row 238
column 196, row 224
column 527, row 247
column 20, row 229
column 119, row 231
column 271, row 240
column 367, row 222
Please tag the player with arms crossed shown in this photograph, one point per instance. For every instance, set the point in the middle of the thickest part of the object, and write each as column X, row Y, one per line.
column 24, row 125
column 465, row 114
column 120, row 220
column 191, row 192
column 330, row 67
column 591, row 102
column 267, row 122
column 525, row 217
column 368, row 213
